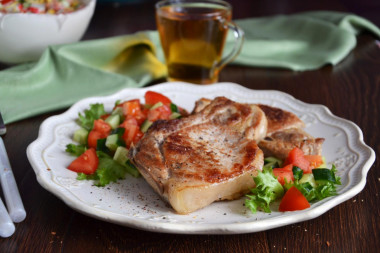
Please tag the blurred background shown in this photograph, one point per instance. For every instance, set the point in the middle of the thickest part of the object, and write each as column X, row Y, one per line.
column 125, row 11
column 120, row 17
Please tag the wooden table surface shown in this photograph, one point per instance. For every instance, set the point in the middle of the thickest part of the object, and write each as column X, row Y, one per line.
column 351, row 90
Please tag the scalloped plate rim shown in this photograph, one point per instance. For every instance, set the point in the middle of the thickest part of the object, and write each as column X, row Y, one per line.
column 185, row 228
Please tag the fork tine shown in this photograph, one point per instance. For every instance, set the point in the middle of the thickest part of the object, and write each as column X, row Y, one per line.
column 3, row 129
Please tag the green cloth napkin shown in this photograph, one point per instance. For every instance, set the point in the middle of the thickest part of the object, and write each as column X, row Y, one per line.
column 67, row 73
column 301, row 42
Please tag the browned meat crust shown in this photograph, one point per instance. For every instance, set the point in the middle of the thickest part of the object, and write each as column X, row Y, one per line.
column 208, row 156
column 284, row 132
column 280, row 143
column 212, row 154
column 201, row 104
column 279, row 119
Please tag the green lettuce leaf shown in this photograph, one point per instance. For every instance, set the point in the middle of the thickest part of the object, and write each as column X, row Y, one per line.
column 95, row 112
column 108, row 171
column 75, row 150
column 267, row 190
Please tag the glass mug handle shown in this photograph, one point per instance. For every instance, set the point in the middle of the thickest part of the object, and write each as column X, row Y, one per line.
column 239, row 39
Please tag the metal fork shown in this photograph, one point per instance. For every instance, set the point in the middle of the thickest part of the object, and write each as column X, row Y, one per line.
column 3, row 129
column 16, row 211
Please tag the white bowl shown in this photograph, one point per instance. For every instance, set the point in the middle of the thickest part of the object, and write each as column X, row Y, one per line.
column 24, row 36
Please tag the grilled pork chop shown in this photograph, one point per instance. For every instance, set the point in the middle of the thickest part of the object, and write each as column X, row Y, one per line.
column 208, row 156
column 280, row 143
column 279, row 120
column 284, row 132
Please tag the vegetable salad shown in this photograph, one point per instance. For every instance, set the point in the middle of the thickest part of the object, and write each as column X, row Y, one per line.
column 103, row 139
column 40, row 6
column 297, row 181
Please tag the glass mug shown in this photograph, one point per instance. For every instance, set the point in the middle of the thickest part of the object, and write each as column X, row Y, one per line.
column 193, row 34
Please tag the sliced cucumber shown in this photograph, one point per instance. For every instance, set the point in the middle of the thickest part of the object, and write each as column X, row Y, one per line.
column 121, row 142
column 297, row 172
column 146, row 106
column 156, row 105
column 271, row 159
column 118, row 111
column 131, row 169
column 119, row 131
column 80, row 136
column 175, row 115
column 324, row 175
column 113, row 120
column 272, row 162
column 145, row 125
column 308, row 178
column 101, row 145
column 121, row 155
column 112, row 142
column 174, row 107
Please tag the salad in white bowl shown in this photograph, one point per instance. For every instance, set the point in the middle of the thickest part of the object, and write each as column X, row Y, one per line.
column 27, row 28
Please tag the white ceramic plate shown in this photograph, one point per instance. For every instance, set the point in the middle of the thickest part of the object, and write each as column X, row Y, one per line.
column 131, row 202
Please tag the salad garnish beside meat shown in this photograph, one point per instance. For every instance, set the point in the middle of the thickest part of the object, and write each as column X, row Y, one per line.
column 222, row 150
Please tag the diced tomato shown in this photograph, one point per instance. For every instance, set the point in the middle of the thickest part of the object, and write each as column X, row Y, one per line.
column 152, row 98
column 135, row 109
column 100, row 130
column 284, row 173
column 131, row 107
column 102, row 127
column 33, row 10
column 128, row 122
column 132, row 132
column 153, row 115
column 4, row 2
column 162, row 112
column 132, row 135
column 145, row 112
column 141, row 117
column 314, row 160
column 137, row 136
column 21, row 8
column 293, row 200
column 93, row 137
column 297, row 158
column 129, row 134
column 86, row 163
column 288, row 167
